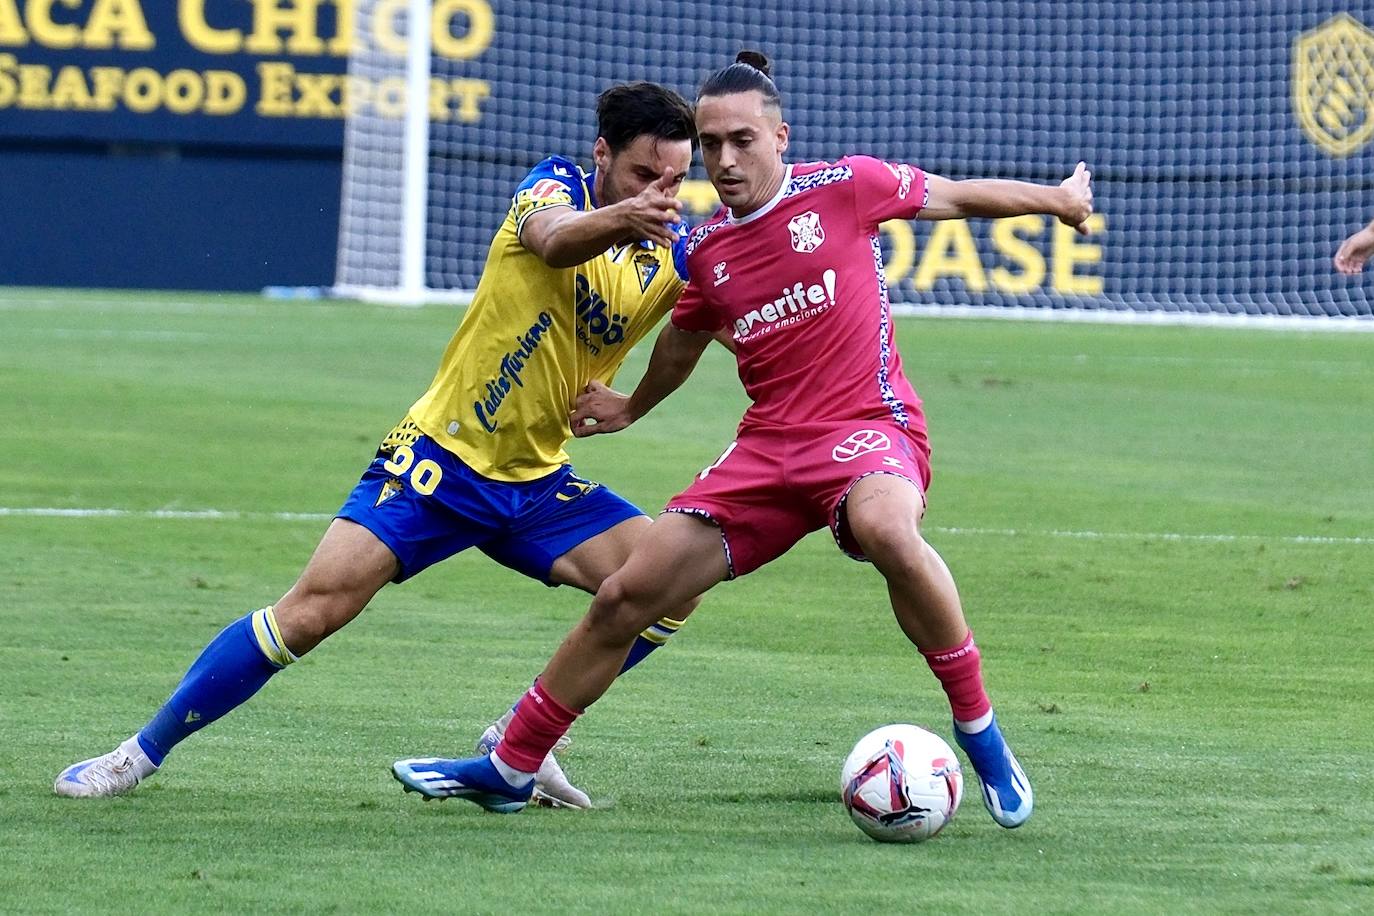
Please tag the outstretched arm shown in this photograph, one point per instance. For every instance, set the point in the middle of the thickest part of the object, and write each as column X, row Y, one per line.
column 1071, row 201
column 564, row 237
column 604, row 410
column 1355, row 251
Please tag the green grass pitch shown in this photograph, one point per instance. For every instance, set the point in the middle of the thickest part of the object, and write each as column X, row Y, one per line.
column 1164, row 538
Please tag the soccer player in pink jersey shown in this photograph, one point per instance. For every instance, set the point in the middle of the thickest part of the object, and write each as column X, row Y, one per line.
column 791, row 269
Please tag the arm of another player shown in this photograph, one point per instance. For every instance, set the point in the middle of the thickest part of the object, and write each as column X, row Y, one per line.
column 1355, row 251
column 1071, row 201
column 601, row 409
column 564, row 237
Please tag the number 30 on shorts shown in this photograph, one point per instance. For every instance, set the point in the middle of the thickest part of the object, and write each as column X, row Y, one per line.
column 424, row 476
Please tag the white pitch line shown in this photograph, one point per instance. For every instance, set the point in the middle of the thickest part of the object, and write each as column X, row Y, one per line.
column 1157, row 536
column 191, row 514
column 1147, row 314
column 235, row 515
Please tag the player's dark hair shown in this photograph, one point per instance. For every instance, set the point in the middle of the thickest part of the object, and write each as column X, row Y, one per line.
column 631, row 110
column 749, row 73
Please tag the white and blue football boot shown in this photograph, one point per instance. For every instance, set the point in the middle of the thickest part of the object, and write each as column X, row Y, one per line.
column 1006, row 790
column 474, row 778
column 119, row 771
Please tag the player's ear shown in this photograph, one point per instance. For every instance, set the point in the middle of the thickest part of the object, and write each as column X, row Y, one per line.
column 601, row 153
column 782, row 134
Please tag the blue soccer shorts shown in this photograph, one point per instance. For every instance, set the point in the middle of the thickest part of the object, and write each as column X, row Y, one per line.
column 427, row 505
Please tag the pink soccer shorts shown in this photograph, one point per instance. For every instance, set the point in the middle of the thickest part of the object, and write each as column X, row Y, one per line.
column 772, row 486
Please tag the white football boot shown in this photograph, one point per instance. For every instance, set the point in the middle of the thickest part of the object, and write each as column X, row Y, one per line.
column 115, row 773
column 552, row 789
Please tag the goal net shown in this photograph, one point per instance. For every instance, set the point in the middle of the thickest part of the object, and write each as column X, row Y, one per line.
column 1230, row 142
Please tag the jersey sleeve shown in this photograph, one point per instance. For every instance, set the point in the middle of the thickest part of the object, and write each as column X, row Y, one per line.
column 694, row 313
column 886, row 190
column 680, row 250
column 555, row 182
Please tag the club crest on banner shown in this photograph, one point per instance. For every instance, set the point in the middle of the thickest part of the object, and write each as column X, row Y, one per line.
column 1333, row 84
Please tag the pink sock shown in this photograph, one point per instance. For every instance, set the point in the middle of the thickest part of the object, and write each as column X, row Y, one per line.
column 961, row 674
column 539, row 722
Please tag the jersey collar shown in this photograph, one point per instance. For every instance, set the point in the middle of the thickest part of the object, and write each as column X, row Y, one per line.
column 589, row 178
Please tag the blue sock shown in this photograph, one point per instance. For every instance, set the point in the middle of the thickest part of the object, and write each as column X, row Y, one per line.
column 650, row 640
column 232, row 668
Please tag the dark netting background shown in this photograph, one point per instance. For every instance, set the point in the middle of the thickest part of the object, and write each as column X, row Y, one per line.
column 1213, row 195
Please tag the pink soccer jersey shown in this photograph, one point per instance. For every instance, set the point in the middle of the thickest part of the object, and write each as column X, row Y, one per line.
column 800, row 284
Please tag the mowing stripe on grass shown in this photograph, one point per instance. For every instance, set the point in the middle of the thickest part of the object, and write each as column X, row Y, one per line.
column 235, row 515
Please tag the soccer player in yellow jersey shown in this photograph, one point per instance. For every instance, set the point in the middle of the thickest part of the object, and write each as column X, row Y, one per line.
column 583, row 267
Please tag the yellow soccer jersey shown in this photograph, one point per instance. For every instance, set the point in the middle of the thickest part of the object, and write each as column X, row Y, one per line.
column 535, row 335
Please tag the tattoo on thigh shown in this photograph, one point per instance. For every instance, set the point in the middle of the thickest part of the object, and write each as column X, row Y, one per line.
column 877, row 492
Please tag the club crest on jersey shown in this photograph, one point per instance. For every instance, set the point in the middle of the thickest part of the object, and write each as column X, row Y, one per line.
column 646, row 265
column 807, row 234
column 861, row 443
column 389, row 489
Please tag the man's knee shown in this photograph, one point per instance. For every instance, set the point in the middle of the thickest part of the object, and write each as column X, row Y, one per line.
column 350, row 566
column 308, row 614
column 622, row 609
column 894, row 538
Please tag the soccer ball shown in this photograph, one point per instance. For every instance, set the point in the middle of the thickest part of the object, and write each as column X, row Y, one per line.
column 901, row 784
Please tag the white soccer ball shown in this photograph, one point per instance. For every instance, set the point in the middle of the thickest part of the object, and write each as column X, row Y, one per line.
column 901, row 784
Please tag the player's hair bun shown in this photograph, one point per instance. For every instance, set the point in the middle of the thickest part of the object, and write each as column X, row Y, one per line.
column 756, row 59
column 749, row 73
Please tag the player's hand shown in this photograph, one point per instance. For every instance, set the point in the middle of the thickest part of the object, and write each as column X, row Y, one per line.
column 1078, row 194
column 1355, row 251
column 651, row 213
column 600, row 409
